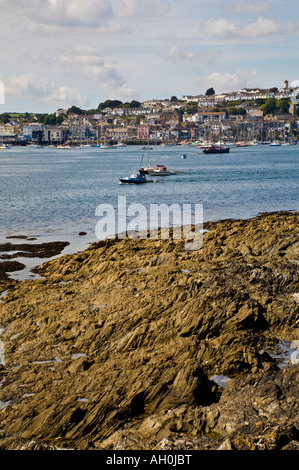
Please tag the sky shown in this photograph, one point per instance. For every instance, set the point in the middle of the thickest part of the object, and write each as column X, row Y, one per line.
column 59, row 53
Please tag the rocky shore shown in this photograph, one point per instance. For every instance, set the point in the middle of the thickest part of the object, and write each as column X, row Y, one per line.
column 142, row 345
column 9, row 251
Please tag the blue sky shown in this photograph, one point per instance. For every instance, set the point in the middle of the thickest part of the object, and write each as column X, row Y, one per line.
column 58, row 53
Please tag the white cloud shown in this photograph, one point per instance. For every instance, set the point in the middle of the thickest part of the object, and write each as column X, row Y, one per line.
column 176, row 54
column 87, row 11
column 66, row 96
column 133, row 8
column 53, row 16
column 265, row 27
column 243, row 6
column 101, row 74
column 29, row 86
column 223, row 28
column 56, row 16
column 223, row 82
column 73, row 12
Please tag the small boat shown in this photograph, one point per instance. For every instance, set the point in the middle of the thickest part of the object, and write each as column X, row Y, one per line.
column 275, row 143
column 155, row 170
column 120, row 144
column 135, row 178
column 150, row 169
column 184, row 156
column 160, row 172
column 106, row 146
column 65, row 147
column 216, row 149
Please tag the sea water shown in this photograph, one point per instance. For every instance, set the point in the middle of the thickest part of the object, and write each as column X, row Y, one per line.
column 52, row 194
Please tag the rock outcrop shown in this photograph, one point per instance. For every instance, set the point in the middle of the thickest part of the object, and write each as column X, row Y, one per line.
column 122, row 346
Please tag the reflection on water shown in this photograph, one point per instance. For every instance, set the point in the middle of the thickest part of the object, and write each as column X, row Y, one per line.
column 220, row 380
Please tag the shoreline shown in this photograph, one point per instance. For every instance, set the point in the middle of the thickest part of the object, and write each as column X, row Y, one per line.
column 25, row 255
column 142, row 345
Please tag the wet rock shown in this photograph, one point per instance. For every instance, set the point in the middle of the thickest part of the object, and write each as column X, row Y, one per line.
column 41, row 250
column 114, row 348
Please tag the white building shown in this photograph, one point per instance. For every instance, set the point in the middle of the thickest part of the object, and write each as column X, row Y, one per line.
column 34, row 126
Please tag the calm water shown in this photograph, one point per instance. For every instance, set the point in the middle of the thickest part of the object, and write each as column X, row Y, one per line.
column 53, row 194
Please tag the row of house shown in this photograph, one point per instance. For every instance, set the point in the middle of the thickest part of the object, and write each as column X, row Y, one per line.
column 233, row 128
column 247, row 94
column 163, row 120
column 174, row 127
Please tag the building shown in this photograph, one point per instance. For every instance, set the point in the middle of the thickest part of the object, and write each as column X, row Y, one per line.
column 29, row 128
column 171, row 116
column 210, row 117
column 8, row 130
column 54, row 135
column 117, row 133
column 143, row 131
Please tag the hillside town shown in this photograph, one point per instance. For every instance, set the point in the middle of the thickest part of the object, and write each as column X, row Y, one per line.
column 260, row 115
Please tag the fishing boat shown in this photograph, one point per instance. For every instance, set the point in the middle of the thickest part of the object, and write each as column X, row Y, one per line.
column 135, row 178
column 161, row 171
column 64, row 147
column 216, row 149
column 106, row 146
column 151, row 169
column 275, row 143
column 120, row 144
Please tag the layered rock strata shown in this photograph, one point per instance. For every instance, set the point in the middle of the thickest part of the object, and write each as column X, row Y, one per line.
column 122, row 346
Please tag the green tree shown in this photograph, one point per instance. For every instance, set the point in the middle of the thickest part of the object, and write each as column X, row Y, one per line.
column 210, row 92
column 270, row 106
column 283, row 106
column 5, row 118
column 233, row 111
column 109, row 104
column 75, row 110
column 59, row 120
column 260, row 101
column 236, row 111
column 135, row 104
column 49, row 119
